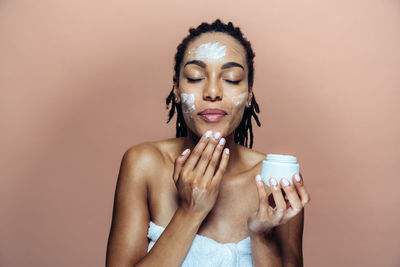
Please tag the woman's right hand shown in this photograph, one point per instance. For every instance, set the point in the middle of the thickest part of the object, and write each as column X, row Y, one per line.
column 196, row 177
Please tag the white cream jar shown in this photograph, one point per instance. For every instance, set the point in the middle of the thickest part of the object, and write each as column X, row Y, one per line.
column 279, row 166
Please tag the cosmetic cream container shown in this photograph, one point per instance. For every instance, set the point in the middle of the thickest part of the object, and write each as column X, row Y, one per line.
column 279, row 166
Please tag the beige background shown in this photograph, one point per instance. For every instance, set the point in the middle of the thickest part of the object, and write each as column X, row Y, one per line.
column 82, row 81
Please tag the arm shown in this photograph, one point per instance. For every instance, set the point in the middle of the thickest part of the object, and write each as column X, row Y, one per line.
column 180, row 231
column 289, row 237
column 265, row 250
column 279, row 230
column 128, row 242
column 282, row 246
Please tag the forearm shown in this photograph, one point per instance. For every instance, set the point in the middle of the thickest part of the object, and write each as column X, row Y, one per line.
column 172, row 246
column 293, row 262
column 292, row 257
column 265, row 251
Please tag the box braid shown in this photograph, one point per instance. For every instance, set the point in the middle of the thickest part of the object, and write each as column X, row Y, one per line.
column 245, row 127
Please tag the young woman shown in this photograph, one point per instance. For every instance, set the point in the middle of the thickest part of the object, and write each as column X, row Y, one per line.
column 196, row 200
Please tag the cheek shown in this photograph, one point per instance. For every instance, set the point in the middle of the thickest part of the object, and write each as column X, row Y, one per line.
column 187, row 103
column 240, row 100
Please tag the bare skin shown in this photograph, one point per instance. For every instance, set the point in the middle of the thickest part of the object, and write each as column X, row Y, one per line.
column 187, row 195
column 227, row 221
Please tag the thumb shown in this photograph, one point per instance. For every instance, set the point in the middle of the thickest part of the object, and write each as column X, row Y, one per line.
column 179, row 163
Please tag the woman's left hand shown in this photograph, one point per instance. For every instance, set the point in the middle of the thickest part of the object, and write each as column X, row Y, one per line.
column 268, row 217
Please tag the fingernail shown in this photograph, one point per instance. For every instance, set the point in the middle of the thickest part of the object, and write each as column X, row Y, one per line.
column 285, row 182
column 217, row 135
column 273, row 181
column 208, row 134
column 185, row 152
column 221, row 142
column 297, row 177
column 226, row 150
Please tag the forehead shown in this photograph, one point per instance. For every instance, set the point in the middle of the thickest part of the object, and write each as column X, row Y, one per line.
column 216, row 46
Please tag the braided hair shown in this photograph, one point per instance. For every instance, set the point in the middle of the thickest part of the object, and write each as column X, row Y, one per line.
column 245, row 127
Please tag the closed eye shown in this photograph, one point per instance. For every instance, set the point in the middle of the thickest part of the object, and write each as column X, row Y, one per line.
column 197, row 80
column 193, row 80
column 234, row 82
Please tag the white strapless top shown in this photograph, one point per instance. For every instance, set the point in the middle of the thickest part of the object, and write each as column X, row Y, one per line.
column 205, row 251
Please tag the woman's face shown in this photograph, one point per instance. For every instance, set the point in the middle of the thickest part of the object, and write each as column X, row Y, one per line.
column 213, row 84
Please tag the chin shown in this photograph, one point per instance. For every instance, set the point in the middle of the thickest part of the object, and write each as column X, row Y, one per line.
column 201, row 127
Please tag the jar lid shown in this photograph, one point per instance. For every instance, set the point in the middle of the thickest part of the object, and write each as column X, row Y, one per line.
column 281, row 158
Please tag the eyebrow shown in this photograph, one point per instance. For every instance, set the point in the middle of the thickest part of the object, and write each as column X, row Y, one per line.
column 203, row 65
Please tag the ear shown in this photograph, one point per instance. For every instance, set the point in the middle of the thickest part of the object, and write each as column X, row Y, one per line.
column 250, row 96
column 177, row 98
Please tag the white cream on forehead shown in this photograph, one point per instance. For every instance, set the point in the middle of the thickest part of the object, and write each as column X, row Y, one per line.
column 187, row 102
column 240, row 99
column 210, row 51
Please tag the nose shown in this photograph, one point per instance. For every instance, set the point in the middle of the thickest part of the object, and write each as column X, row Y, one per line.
column 212, row 92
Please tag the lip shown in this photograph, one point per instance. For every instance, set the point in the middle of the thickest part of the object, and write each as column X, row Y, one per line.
column 212, row 114
column 212, row 111
column 212, row 117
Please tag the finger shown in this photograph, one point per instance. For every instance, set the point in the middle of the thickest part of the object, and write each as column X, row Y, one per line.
column 291, row 194
column 216, row 180
column 299, row 184
column 277, row 194
column 262, row 196
column 179, row 162
column 204, row 160
column 212, row 165
column 197, row 151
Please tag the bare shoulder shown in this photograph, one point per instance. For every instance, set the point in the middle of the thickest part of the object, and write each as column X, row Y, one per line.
column 143, row 157
column 252, row 157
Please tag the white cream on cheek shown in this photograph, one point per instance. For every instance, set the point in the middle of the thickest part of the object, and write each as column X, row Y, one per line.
column 210, row 51
column 187, row 103
column 240, row 99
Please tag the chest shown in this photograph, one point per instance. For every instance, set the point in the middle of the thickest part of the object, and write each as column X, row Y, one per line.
column 227, row 221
